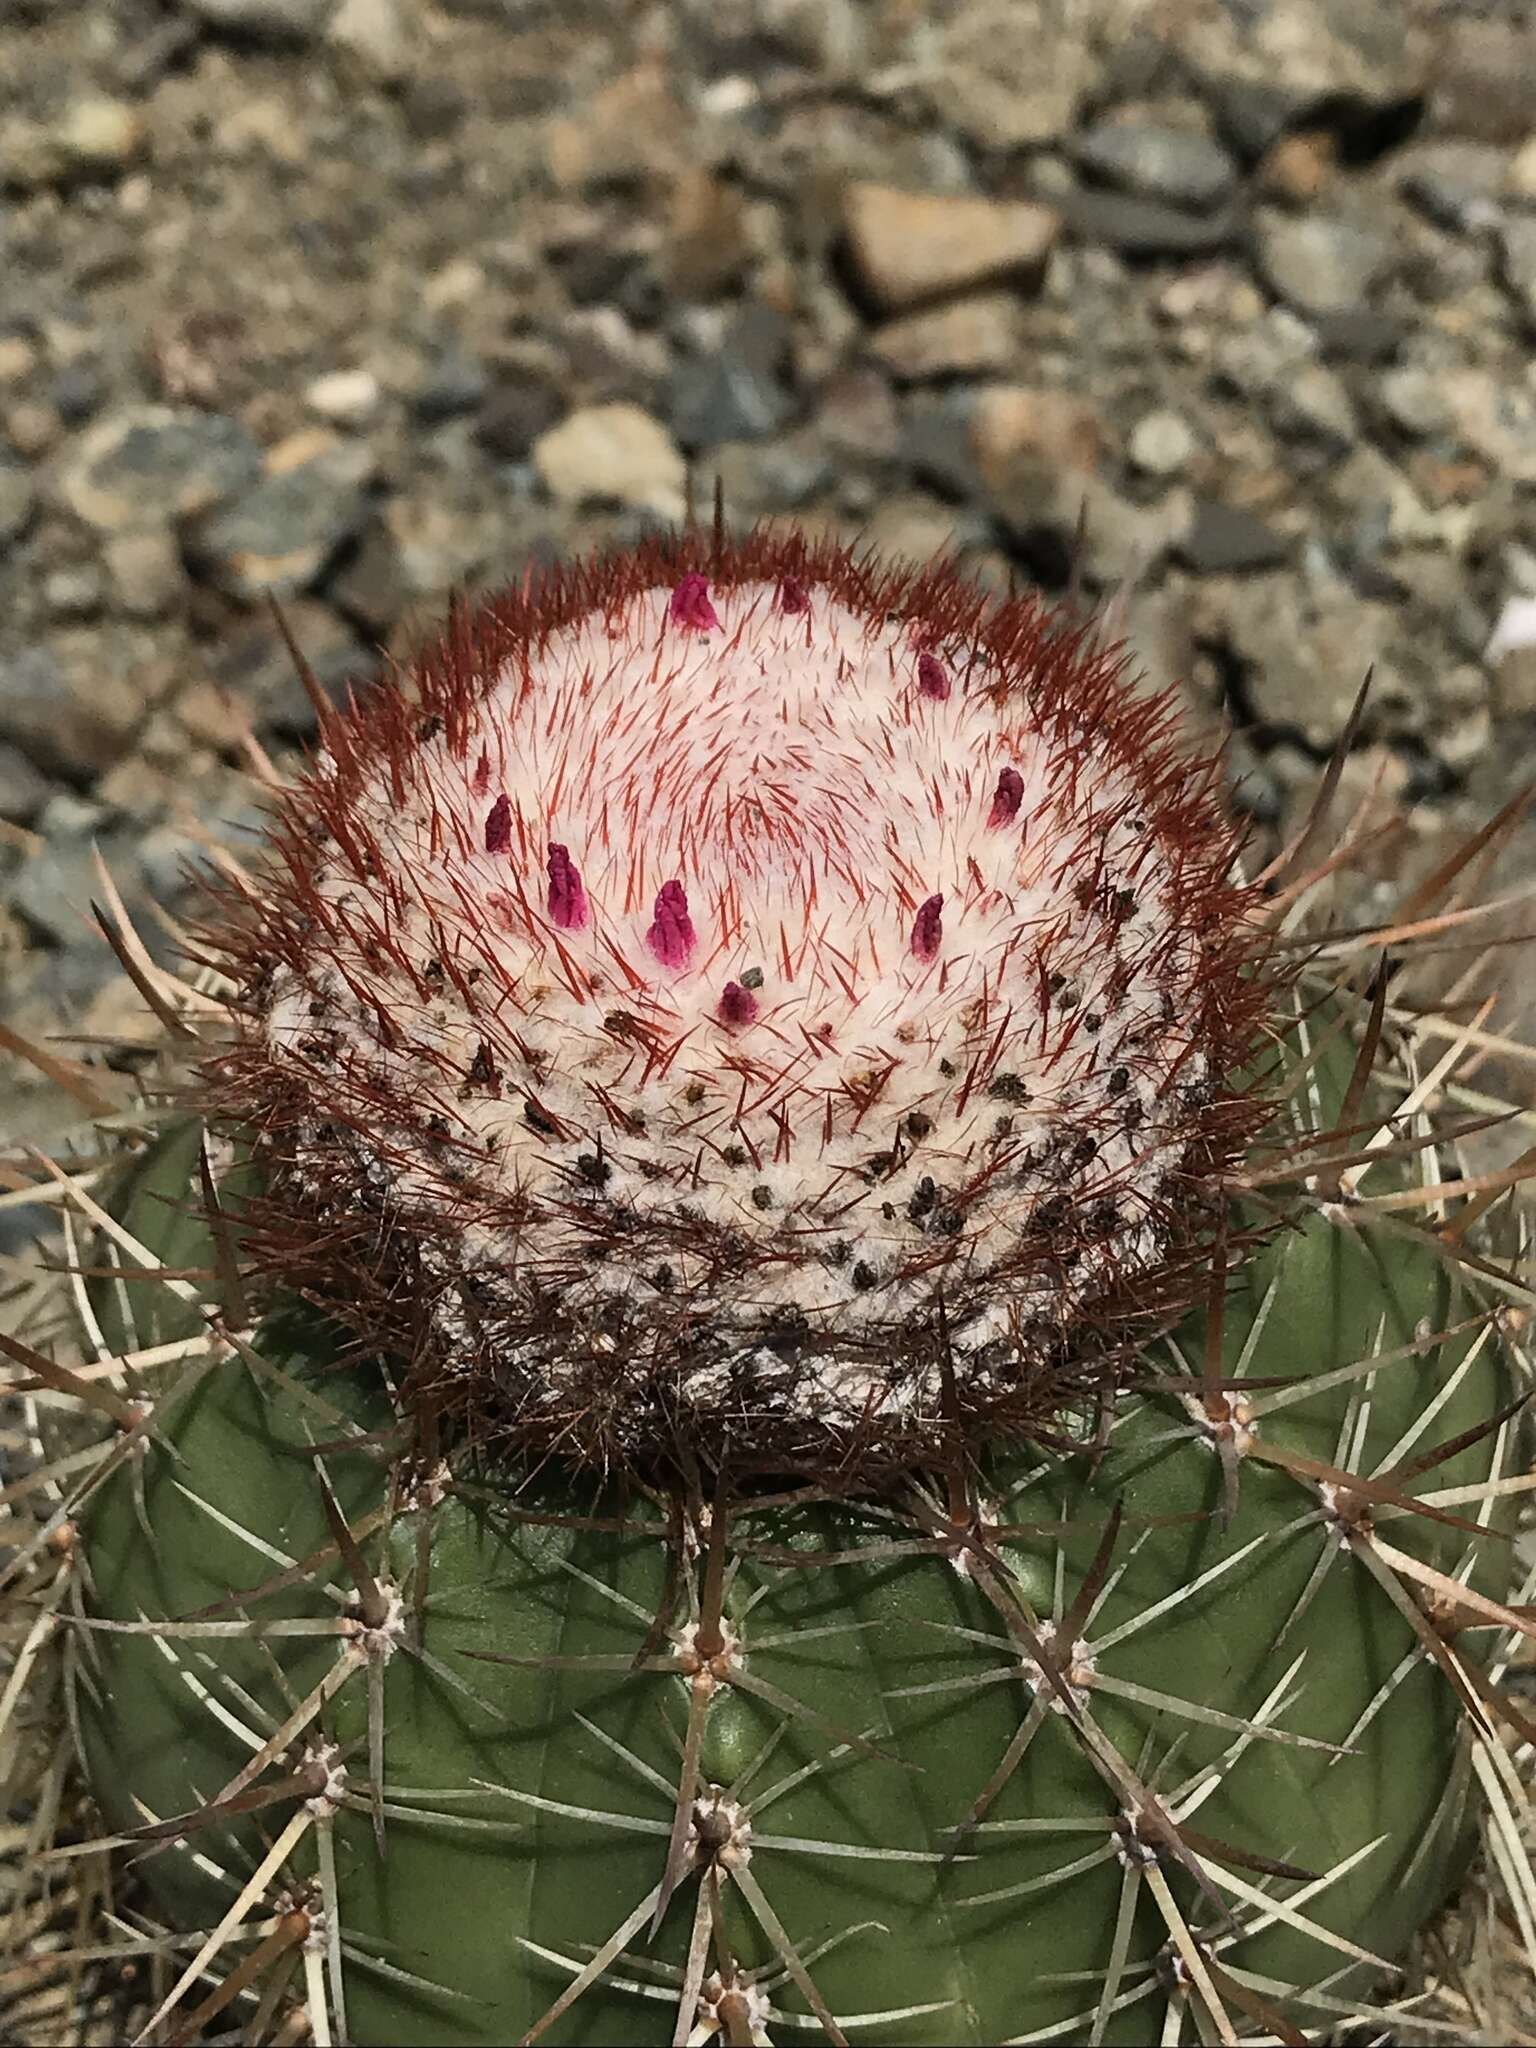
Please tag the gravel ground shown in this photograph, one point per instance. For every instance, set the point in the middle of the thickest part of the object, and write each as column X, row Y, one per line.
column 356, row 301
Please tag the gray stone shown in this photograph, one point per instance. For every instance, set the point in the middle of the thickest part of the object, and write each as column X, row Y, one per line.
column 75, row 593
column 1320, row 263
column 69, row 721
column 1145, row 227
column 1156, row 162
column 937, row 445
column 154, row 462
column 1311, row 405
column 267, row 21
column 454, row 384
column 517, row 408
column 1002, row 77
column 739, row 391
column 23, row 788
column 1222, row 539
column 374, row 38
column 257, row 670
column 1455, row 183
column 776, row 475
column 148, row 576
column 1306, row 651
column 18, row 501
column 281, row 536
column 1517, row 250
column 51, row 892
column 1413, row 399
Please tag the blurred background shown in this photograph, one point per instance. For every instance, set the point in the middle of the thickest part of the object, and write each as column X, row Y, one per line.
column 1225, row 306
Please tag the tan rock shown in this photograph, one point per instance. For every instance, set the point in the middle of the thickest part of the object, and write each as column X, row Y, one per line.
column 615, row 453
column 965, row 337
column 910, row 247
column 1019, row 422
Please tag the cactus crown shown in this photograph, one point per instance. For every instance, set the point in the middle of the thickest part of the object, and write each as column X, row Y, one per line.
column 747, row 997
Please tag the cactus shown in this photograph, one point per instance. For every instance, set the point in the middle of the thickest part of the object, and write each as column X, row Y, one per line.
column 793, row 1380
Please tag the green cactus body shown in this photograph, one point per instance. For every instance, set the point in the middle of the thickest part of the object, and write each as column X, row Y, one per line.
column 528, row 1804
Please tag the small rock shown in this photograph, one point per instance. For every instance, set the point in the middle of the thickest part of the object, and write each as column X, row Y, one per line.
column 93, row 137
column 371, row 590
column 1517, row 249
column 616, row 453
column 857, row 414
column 1018, row 423
column 1145, row 227
column 18, row 501
column 709, row 240
column 70, row 717
column 1413, row 399
column 348, row 398
column 1222, row 539
column 909, row 247
column 74, row 593
column 635, row 131
column 1297, row 168
column 18, row 358
column 1495, row 416
column 32, row 428
column 77, row 392
column 1514, row 682
column 266, row 21
column 148, row 577
column 374, row 38
column 739, row 391
column 937, row 448
column 518, row 406
column 1320, row 263
column 1306, row 648
column 172, row 464
column 255, row 669
column 1312, row 405
column 1162, row 443
column 279, row 537
column 1156, row 162
column 1455, row 183
column 911, row 528
column 23, row 789
column 777, row 475
column 454, row 384
column 1520, row 178
column 1004, row 79
column 966, row 337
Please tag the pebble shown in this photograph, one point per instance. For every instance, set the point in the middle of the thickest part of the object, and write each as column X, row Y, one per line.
column 1146, row 227
column 374, row 38
column 1306, row 650
column 147, row 574
column 1222, row 539
column 1319, row 262
column 76, row 593
column 157, row 461
column 1517, row 250
column 18, row 501
column 1299, row 167
column 1003, row 79
column 279, row 537
column 974, row 335
column 909, row 247
column 18, row 358
column 1156, row 162
column 92, row 137
column 1162, row 443
column 738, row 390
column 518, row 406
column 270, row 21
column 23, row 788
column 255, row 669
column 348, row 398
column 1455, row 183
column 32, row 428
column 74, row 712
column 615, row 453
column 1019, row 423
column 453, row 384
column 1413, row 400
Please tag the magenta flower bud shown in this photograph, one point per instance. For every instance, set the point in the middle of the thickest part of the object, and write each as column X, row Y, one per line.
column 1006, row 799
column 932, row 677
column 928, row 929
column 567, row 898
column 498, row 826
column 738, row 1005
column 671, row 937
column 690, row 606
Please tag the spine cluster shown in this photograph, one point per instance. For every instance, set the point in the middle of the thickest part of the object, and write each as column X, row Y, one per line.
column 747, row 997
